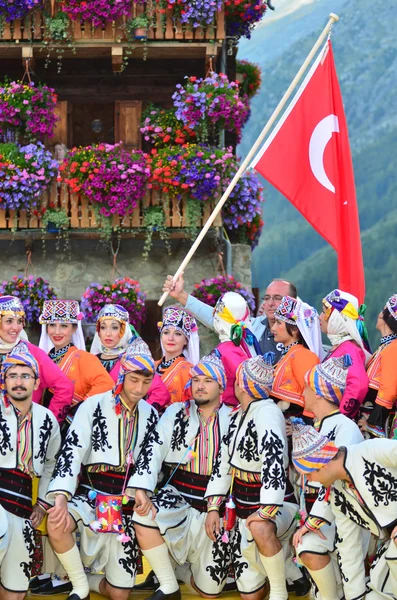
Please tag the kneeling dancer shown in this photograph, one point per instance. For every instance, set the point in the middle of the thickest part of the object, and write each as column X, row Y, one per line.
column 256, row 450
column 30, row 439
column 108, row 439
column 173, row 520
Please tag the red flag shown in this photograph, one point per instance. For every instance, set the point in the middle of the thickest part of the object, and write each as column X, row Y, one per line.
column 307, row 158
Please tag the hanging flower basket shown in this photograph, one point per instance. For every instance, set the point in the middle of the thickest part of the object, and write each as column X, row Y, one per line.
column 213, row 102
column 109, row 176
column 25, row 172
column 32, row 292
column 196, row 13
column 160, row 127
column 97, row 11
column 210, row 290
column 27, row 110
column 251, row 77
column 242, row 16
column 244, row 203
column 124, row 291
column 16, row 9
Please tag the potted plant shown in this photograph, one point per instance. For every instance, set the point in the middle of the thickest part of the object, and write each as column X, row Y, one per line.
column 32, row 292
column 139, row 25
column 248, row 75
column 154, row 222
column 55, row 219
column 57, row 34
column 124, row 291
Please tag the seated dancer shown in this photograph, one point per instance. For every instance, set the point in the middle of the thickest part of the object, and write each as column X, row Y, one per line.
column 180, row 344
column 324, row 389
column 382, row 374
column 30, row 440
column 12, row 319
column 359, row 484
column 342, row 320
column 297, row 327
column 108, row 438
column 112, row 338
column 256, row 450
column 62, row 338
column 173, row 520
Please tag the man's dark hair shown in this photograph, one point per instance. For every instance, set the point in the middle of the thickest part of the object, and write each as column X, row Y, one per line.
column 389, row 319
column 293, row 292
column 144, row 372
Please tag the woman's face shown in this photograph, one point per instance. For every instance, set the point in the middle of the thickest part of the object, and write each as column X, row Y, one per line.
column 110, row 333
column 173, row 341
column 324, row 317
column 281, row 335
column 10, row 328
column 60, row 334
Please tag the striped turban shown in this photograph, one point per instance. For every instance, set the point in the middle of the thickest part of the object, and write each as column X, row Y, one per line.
column 328, row 379
column 255, row 375
column 20, row 355
column 310, row 450
column 137, row 358
column 210, row 366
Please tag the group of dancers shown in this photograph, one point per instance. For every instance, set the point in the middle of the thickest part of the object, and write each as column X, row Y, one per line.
column 267, row 461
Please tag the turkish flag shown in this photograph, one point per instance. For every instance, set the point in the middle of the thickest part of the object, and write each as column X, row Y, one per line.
column 307, row 158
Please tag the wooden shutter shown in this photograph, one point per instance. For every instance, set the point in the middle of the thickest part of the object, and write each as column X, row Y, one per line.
column 61, row 128
column 127, row 122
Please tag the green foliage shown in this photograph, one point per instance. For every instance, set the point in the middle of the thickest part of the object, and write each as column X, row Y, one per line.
column 154, row 221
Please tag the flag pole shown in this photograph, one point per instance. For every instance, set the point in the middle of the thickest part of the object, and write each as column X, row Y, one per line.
column 332, row 19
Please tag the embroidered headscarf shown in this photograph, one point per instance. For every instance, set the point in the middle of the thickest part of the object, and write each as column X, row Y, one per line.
column 185, row 323
column 137, row 358
column 255, row 375
column 305, row 317
column 61, row 311
column 114, row 312
column 310, row 450
column 210, row 366
column 345, row 319
column 20, row 355
column 232, row 321
column 328, row 379
column 11, row 306
column 391, row 306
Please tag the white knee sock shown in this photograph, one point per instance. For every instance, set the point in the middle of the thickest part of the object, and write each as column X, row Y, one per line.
column 73, row 566
column 183, row 573
column 275, row 570
column 94, row 582
column 159, row 560
column 326, row 582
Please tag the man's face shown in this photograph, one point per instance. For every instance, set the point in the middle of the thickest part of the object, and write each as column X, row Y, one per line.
column 273, row 296
column 205, row 390
column 310, row 398
column 20, row 383
column 135, row 387
column 328, row 474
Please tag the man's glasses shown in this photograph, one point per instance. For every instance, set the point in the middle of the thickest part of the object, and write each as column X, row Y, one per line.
column 276, row 298
column 24, row 377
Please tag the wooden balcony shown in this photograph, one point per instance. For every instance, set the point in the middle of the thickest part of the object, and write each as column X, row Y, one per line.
column 31, row 30
column 83, row 218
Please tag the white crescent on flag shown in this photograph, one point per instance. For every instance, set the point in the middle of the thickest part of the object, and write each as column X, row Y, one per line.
column 322, row 133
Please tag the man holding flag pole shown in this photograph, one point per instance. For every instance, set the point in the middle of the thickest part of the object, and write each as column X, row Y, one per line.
column 309, row 165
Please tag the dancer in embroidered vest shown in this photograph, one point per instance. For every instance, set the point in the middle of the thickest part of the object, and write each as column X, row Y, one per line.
column 382, row 374
column 12, row 319
column 343, row 321
column 324, row 389
column 112, row 338
column 30, row 440
column 358, row 484
column 256, row 450
column 62, row 338
column 108, row 439
column 188, row 443
column 297, row 327
column 180, row 344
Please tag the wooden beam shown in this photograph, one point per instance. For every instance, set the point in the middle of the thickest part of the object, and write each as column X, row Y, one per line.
column 27, row 55
column 117, row 58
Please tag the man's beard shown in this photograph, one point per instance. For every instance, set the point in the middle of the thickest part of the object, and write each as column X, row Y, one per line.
column 18, row 398
column 201, row 402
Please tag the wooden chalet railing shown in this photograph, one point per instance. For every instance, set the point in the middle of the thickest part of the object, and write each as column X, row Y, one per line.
column 83, row 216
column 32, row 29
